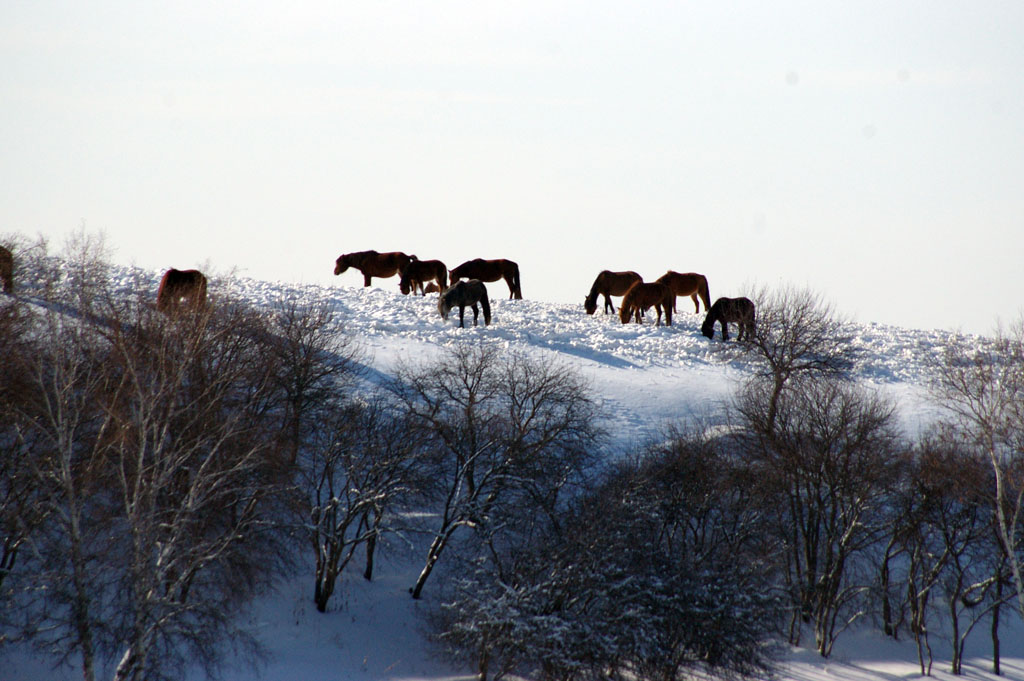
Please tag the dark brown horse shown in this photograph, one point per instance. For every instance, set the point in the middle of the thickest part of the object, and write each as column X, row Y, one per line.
column 419, row 272
column 181, row 290
column 490, row 270
column 609, row 284
column 7, row 270
column 373, row 264
column 642, row 296
column 688, row 284
column 465, row 294
column 431, row 288
column 739, row 311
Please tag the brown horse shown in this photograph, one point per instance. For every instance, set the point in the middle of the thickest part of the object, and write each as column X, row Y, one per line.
column 181, row 289
column 688, row 284
column 431, row 288
column 373, row 264
column 739, row 311
column 642, row 296
column 609, row 284
column 490, row 270
column 419, row 272
column 463, row 294
column 7, row 270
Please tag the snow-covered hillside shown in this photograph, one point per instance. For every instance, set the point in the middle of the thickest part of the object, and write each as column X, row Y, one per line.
column 646, row 377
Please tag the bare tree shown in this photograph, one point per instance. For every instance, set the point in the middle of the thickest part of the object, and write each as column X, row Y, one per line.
column 797, row 334
column 981, row 384
column 155, row 467
column 502, row 428
column 365, row 465
column 828, row 449
column 317, row 364
column 658, row 572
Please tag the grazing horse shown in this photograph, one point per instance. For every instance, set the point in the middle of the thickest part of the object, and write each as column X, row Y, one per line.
column 431, row 288
column 373, row 264
column 418, row 272
column 642, row 296
column 609, row 284
column 465, row 294
column 7, row 270
column 730, row 310
column 490, row 270
column 689, row 284
column 181, row 289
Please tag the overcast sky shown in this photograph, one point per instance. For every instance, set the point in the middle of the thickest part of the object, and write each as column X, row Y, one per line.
column 872, row 151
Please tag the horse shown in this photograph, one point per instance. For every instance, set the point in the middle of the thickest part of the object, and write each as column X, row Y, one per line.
column 431, row 288
column 490, row 270
column 7, row 270
column 688, row 284
column 181, row 289
column 373, row 264
column 418, row 272
column 465, row 294
column 730, row 310
column 609, row 284
column 642, row 296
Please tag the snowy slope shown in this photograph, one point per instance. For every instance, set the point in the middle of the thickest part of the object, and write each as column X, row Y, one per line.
column 645, row 377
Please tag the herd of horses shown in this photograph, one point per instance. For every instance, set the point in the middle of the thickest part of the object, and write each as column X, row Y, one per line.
column 463, row 286
column 638, row 296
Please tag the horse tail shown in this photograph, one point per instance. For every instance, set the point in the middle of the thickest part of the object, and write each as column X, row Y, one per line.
column 668, row 301
column 515, row 280
column 486, row 305
column 704, row 292
column 162, row 292
column 201, row 301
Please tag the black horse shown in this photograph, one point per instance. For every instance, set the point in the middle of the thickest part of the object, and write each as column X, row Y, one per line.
column 465, row 294
column 739, row 311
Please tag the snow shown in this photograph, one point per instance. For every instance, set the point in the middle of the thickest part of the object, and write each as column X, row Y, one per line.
column 646, row 377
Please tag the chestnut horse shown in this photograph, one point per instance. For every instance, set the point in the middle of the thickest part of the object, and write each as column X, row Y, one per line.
column 689, row 284
column 490, row 270
column 465, row 294
column 181, row 289
column 642, row 296
column 738, row 311
column 7, row 270
column 373, row 264
column 419, row 272
column 609, row 284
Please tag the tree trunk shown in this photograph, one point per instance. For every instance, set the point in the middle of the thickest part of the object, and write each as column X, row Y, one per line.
column 436, row 547
column 995, row 628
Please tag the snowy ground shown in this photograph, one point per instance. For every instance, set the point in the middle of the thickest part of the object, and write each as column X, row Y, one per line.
column 646, row 377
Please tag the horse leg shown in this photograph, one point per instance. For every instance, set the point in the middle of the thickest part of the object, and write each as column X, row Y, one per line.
column 366, row 279
column 725, row 330
column 511, row 287
column 462, row 320
column 476, row 313
column 608, row 303
column 696, row 305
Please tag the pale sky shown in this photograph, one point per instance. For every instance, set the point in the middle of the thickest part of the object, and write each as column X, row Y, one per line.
column 871, row 151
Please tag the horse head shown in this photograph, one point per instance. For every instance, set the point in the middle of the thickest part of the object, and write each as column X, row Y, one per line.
column 708, row 327
column 341, row 264
column 443, row 307
column 590, row 303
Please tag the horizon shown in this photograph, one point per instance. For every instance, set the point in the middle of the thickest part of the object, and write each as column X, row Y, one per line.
column 871, row 153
